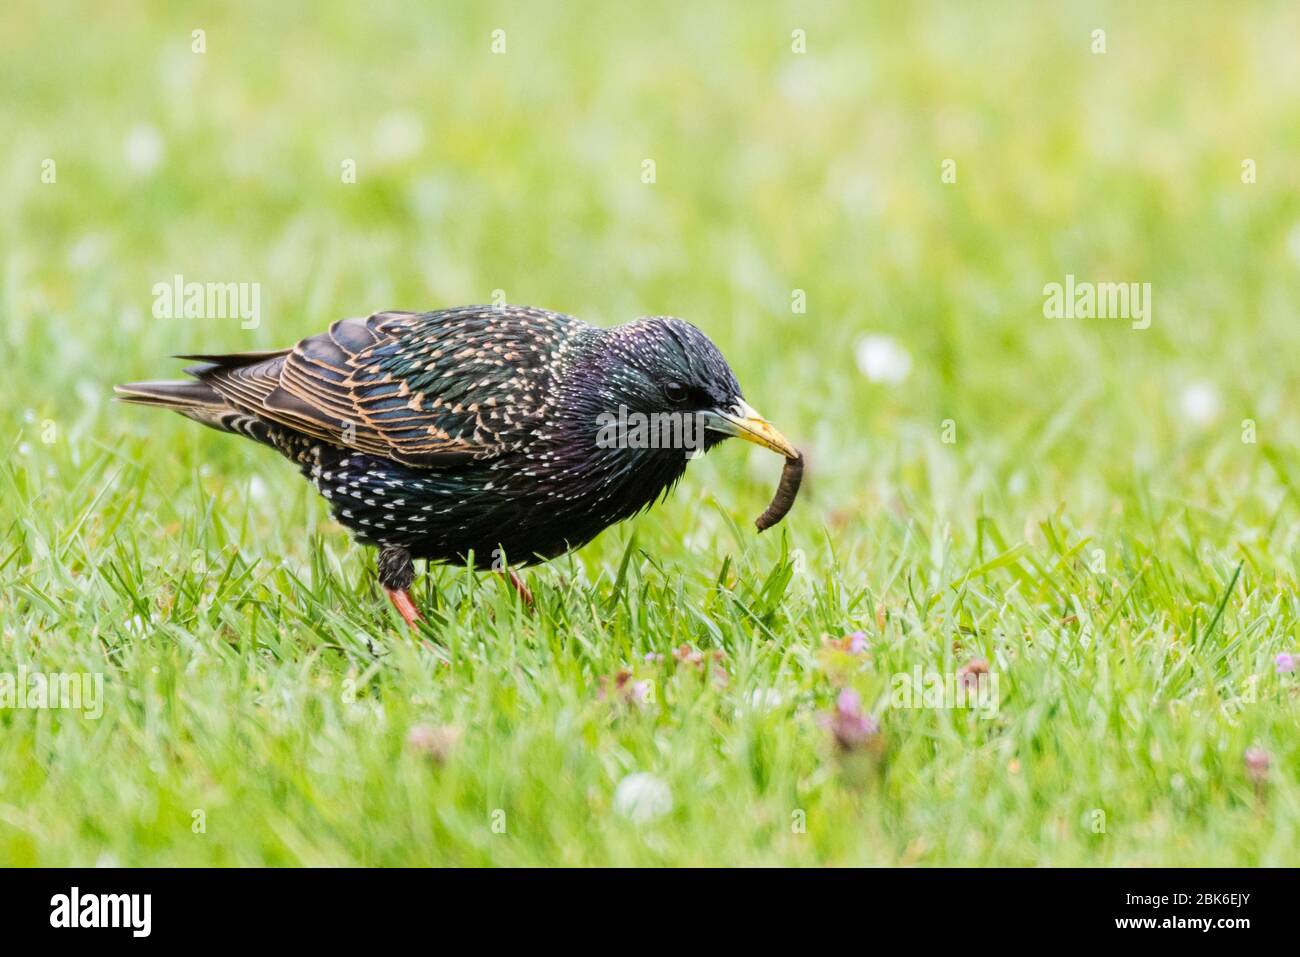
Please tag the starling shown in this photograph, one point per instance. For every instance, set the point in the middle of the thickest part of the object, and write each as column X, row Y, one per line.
column 508, row 433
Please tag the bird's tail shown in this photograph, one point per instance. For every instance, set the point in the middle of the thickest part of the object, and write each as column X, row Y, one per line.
column 194, row 400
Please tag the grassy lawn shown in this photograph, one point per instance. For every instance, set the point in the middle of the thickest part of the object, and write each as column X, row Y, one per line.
column 1105, row 515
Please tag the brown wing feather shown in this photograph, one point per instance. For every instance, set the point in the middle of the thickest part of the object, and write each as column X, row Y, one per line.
column 324, row 388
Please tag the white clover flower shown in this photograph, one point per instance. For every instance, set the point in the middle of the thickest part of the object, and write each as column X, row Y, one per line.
column 1199, row 403
column 398, row 137
column 642, row 797
column 1293, row 243
column 883, row 359
column 143, row 148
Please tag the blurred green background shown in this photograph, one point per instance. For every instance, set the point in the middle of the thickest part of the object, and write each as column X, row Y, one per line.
column 522, row 172
column 775, row 172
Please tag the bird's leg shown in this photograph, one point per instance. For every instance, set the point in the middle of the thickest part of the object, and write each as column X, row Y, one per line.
column 405, row 606
column 518, row 585
column 396, row 572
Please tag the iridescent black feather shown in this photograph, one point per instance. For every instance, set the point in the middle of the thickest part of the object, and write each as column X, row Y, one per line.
column 465, row 430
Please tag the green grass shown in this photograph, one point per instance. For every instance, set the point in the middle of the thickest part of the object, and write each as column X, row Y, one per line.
column 1127, row 566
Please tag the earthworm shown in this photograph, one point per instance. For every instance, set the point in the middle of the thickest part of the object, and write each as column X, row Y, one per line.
column 791, row 476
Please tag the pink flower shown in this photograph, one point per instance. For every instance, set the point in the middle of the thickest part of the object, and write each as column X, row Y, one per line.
column 714, row 663
column 435, row 743
column 970, row 673
column 854, row 643
column 1257, row 762
column 853, row 729
column 625, row 690
column 1285, row 663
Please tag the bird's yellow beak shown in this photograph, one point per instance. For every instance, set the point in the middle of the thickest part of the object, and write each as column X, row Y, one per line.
column 744, row 423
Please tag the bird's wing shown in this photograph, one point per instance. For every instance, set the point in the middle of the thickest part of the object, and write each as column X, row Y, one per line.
column 424, row 389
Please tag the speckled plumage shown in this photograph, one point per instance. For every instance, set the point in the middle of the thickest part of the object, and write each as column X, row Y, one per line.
column 464, row 430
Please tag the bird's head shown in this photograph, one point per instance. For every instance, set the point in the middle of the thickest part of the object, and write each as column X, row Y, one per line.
column 663, row 382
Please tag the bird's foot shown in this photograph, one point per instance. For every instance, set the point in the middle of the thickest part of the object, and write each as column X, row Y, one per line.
column 517, row 583
column 405, row 605
column 396, row 572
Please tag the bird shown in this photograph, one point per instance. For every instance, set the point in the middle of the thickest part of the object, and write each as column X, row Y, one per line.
column 459, row 434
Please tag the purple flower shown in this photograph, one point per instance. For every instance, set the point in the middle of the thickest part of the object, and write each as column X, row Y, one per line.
column 857, row 642
column 1285, row 663
column 853, row 729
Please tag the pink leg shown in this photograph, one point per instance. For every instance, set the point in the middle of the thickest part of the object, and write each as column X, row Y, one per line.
column 518, row 585
column 405, row 605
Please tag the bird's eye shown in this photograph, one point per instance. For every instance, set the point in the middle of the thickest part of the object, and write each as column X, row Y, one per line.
column 675, row 392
